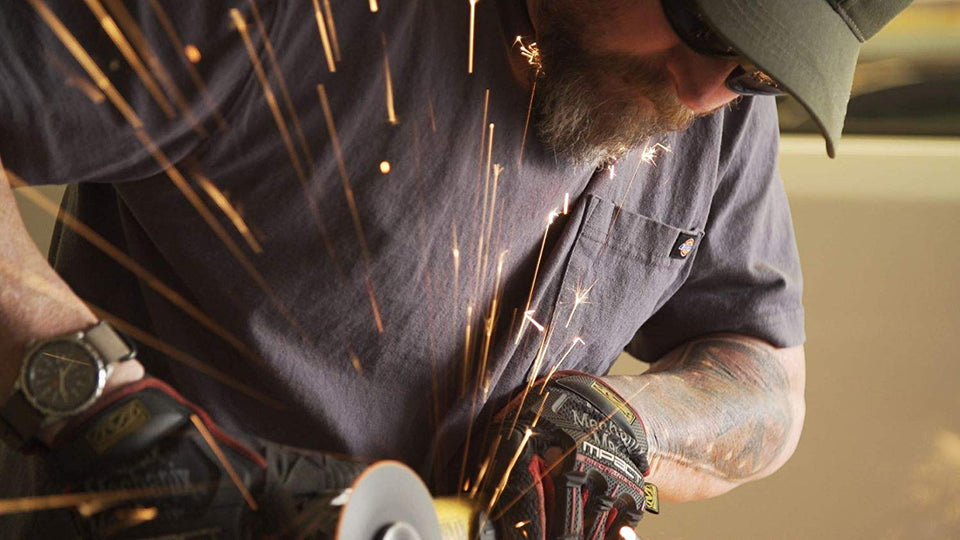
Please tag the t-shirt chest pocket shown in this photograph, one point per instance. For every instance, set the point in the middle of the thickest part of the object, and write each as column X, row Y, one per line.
column 622, row 268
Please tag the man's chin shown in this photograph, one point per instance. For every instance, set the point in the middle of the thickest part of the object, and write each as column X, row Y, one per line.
column 583, row 155
column 595, row 145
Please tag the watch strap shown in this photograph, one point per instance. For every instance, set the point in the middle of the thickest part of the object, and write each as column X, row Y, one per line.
column 109, row 343
column 19, row 423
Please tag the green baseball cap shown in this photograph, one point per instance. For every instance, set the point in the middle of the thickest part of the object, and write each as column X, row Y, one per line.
column 810, row 47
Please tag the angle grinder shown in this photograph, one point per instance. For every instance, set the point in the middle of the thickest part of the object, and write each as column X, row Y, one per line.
column 388, row 501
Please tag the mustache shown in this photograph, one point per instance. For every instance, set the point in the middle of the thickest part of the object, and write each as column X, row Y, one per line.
column 639, row 77
column 595, row 107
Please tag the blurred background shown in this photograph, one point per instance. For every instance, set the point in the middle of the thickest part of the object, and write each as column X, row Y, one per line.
column 877, row 229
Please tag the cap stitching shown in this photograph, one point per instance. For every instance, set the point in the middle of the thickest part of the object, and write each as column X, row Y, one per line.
column 841, row 10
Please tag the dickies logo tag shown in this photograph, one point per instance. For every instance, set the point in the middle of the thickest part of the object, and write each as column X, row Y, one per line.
column 683, row 246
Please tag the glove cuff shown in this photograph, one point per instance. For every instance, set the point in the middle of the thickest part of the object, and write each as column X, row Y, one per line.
column 127, row 422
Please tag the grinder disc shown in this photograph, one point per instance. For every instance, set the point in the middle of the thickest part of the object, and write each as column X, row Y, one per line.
column 388, row 496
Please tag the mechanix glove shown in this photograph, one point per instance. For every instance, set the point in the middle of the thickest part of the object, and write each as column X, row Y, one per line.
column 569, row 463
column 156, row 465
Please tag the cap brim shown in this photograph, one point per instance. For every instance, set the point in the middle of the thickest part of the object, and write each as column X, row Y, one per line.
column 805, row 46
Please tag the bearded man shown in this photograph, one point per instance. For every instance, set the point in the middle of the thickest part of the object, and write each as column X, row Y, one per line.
column 360, row 229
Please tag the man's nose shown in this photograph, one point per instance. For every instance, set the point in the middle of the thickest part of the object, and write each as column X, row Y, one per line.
column 700, row 80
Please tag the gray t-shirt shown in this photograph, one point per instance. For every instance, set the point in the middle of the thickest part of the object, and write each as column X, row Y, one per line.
column 361, row 340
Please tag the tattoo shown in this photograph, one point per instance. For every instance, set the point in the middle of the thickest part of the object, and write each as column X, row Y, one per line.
column 723, row 407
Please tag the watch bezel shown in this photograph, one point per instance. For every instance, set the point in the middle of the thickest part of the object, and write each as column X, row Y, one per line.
column 78, row 339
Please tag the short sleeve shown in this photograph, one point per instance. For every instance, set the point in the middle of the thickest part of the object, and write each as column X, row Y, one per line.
column 746, row 276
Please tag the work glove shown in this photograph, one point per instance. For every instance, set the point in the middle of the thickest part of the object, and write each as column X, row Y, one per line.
column 569, row 463
column 162, row 467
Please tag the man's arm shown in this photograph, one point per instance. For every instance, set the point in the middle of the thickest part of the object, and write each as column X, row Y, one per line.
column 34, row 302
column 719, row 411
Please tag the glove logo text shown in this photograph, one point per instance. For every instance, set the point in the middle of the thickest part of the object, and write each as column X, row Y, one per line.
column 117, row 425
column 602, row 435
column 609, row 457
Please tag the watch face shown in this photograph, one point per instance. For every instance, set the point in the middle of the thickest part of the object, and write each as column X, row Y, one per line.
column 62, row 376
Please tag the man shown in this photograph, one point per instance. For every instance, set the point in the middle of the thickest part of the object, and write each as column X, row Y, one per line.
column 401, row 254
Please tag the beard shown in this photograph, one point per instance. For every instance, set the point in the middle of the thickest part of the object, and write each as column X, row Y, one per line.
column 593, row 108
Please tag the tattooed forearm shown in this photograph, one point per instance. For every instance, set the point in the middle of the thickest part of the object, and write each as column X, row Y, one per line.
column 720, row 410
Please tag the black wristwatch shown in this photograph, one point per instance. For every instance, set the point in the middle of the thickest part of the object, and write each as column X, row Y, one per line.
column 59, row 377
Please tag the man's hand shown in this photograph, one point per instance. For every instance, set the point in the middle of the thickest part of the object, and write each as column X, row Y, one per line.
column 569, row 462
column 178, row 473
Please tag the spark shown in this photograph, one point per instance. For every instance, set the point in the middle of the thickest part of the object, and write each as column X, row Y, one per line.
column 491, row 321
column 483, row 214
column 110, row 27
column 373, row 304
column 497, row 171
column 351, row 202
column 506, row 474
column 391, row 113
column 355, row 360
column 385, row 167
column 566, row 203
column 324, row 38
column 579, row 297
column 88, row 89
column 521, row 524
column 433, row 120
column 626, row 533
column 536, row 417
column 470, row 40
column 342, row 168
column 282, row 83
column 215, row 447
column 467, row 350
column 552, row 216
column 94, row 71
column 456, row 267
column 333, row 30
column 528, row 316
column 140, row 43
column 91, row 502
column 533, row 282
column 650, row 153
column 172, row 36
column 483, row 145
column 374, row 7
column 192, row 53
column 532, row 374
column 74, row 79
column 489, row 325
column 464, row 378
column 623, row 201
column 532, row 54
column 482, row 473
column 224, row 204
column 130, row 517
column 576, row 341
column 481, row 378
